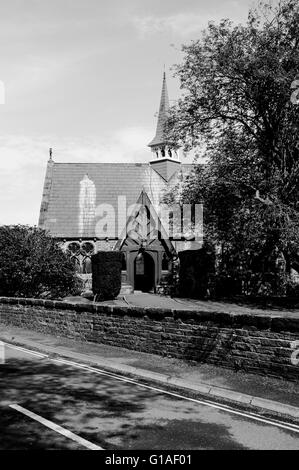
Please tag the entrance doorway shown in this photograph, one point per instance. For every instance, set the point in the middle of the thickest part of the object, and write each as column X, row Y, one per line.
column 144, row 272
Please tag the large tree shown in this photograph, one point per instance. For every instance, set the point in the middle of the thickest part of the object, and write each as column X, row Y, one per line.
column 237, row 84
column 32, row 264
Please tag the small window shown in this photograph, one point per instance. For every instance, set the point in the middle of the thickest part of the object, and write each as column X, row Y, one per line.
column 76, row 263
column 87, row 266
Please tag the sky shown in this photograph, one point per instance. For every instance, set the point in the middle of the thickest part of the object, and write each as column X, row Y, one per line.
column 84, row 77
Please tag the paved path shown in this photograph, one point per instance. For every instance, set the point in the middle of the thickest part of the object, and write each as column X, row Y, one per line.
column 47, row 403
column 159, row 301
column 140, row 299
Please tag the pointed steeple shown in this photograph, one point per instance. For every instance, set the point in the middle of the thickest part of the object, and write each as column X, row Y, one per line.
column 160, row 140
column 166, row 161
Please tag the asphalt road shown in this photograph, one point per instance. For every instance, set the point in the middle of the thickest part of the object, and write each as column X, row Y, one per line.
column 49, row 404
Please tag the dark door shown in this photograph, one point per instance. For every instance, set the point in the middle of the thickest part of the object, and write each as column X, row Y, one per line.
column 144, row 272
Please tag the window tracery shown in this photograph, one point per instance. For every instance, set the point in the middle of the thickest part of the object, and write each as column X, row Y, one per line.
column 80, row 254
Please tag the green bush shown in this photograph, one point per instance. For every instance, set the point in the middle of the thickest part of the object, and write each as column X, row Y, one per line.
column 196, row 273
column 33, row 265
column 106, row 274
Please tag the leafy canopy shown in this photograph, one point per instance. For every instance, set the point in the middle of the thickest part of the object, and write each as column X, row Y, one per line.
column 237, row 82
column 33, row 265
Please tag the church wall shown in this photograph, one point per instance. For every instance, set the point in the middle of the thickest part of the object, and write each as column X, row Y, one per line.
column 257, row 343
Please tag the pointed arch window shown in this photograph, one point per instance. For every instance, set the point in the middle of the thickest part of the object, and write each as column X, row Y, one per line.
column 80, row 254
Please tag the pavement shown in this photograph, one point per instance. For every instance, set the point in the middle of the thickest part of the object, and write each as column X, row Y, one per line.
column 258, row 394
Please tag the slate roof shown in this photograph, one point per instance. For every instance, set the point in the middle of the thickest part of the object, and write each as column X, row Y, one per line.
column 66, row 183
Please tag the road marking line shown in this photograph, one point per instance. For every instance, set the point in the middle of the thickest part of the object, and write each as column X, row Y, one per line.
column 25, row 350
column 273, row 422
column 228, row 409
column 56, row 427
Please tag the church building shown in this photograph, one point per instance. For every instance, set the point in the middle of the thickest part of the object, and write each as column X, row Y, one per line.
column 85, row 207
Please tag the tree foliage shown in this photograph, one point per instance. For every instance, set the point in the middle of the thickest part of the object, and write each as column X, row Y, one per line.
column 237, row 83
column 32, row 264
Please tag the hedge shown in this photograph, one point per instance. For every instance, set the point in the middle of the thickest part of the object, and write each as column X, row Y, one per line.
column 106, row 274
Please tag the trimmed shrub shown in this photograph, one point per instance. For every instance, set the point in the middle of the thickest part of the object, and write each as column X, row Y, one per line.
column 196, row 273
column 106, row 274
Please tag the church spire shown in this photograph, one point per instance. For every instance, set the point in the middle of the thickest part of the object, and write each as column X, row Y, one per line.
column 159, row 143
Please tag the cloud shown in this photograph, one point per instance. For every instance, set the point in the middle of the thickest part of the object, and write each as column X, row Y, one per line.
column 133, row 139
column 35, row 73
column 190, row 23
column 23, row 162
column 2, row 92
column 123, row 145
column 181, row 24
column 18, row 152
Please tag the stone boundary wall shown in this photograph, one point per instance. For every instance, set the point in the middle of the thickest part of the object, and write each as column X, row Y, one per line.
column 262, row 344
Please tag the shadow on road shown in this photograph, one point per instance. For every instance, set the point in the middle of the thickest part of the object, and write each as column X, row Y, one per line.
column 107, row 412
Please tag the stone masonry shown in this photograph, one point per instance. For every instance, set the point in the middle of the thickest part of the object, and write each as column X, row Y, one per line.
column 260, row 344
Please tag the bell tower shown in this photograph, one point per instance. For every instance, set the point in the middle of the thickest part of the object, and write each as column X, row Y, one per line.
column 166, row 159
